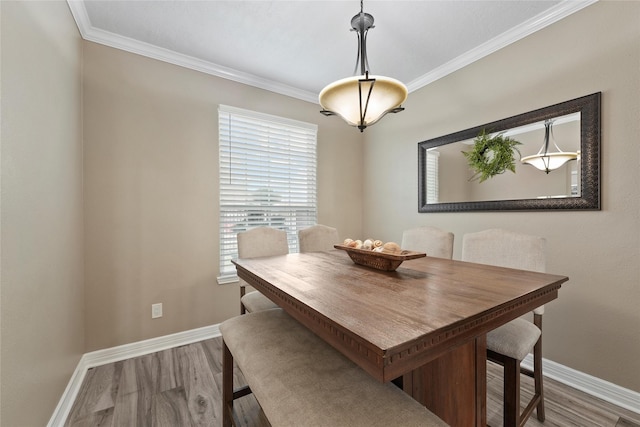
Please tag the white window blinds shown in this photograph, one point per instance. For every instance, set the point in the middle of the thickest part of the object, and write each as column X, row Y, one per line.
column 267, row 178
column 432, row 176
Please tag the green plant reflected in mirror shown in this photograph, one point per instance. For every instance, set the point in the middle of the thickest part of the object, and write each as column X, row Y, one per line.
column 492, row 177
column 491, row 155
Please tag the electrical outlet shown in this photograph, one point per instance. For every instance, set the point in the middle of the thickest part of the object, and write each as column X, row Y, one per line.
column 156, row 310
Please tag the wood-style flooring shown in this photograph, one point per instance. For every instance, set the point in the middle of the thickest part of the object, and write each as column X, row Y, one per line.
column 182, row 387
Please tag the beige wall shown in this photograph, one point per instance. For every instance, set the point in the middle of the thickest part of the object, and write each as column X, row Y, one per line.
column 151, row 191
column 594, row 325
column 42, row 256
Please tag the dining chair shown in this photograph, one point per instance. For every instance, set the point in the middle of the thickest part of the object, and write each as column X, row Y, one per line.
column 317, row 238
column 509, row 344
column 431, row 240
column 254, row 243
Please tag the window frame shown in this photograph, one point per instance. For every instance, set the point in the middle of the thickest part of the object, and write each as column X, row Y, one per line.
column 267, row 176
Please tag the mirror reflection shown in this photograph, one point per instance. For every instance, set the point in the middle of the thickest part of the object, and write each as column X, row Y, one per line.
column 555, row 163
column 527, row 182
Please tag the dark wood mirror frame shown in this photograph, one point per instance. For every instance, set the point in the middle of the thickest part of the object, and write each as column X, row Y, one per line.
column 588, row 106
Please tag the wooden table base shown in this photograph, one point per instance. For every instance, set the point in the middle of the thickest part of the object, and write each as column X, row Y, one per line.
column 458, row 380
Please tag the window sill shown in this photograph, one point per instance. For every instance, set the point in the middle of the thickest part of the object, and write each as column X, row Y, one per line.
column 228, row 279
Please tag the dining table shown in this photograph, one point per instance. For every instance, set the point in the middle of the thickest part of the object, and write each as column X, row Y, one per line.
column 422, row 326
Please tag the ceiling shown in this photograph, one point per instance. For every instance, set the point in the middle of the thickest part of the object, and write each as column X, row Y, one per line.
column 295, row 48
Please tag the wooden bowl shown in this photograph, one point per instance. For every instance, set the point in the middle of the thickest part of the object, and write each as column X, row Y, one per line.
column 379, row 260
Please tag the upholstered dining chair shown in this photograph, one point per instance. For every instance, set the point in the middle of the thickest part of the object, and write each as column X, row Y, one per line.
column 317, row 238
column 510, row 343
column 254, row 243
column 431, row 240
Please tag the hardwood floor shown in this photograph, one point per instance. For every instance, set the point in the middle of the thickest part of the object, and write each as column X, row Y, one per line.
column 182, row 387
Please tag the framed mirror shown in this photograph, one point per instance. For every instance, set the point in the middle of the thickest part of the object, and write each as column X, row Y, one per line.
column 447, row 183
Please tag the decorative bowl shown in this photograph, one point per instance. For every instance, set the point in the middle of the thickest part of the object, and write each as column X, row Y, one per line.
column 379, row 260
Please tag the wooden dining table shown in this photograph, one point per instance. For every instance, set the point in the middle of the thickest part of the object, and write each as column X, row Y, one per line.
column 422, row 326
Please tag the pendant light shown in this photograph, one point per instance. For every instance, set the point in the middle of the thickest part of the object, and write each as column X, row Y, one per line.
column 547, row 160
column 362, row 100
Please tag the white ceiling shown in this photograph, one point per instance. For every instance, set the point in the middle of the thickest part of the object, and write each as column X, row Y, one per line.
column 297, row 47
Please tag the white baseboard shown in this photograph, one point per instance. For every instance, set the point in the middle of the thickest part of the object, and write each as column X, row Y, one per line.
column 602, row 389
column 612, row 393
column 122, row 352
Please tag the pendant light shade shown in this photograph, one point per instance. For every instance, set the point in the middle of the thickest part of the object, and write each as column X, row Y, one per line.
column 546, row 160
column 375, row 95
column 363, row 99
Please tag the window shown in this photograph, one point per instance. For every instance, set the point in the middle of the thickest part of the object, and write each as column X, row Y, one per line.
column 267, row 178
column 432, row 176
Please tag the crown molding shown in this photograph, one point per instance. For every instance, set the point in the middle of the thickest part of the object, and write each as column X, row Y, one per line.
column 550, row 16
column 88, row 32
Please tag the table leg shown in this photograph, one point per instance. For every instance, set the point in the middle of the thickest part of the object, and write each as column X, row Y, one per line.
column 454, row 385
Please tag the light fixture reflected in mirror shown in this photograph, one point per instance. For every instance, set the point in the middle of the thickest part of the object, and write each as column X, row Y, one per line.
column 583, row 136
column 546, row 160
column 363, row 99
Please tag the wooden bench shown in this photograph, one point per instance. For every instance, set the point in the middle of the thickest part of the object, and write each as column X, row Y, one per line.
column 301, row 381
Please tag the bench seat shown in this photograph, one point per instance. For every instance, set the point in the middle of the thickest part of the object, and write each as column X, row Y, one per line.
column 255, row 301
column 300, row 380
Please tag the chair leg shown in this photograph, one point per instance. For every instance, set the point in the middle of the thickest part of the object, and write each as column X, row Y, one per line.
column 243, row 290
column 537, row 369
column 227, row 386
column 512, row 371
column 511, row 410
